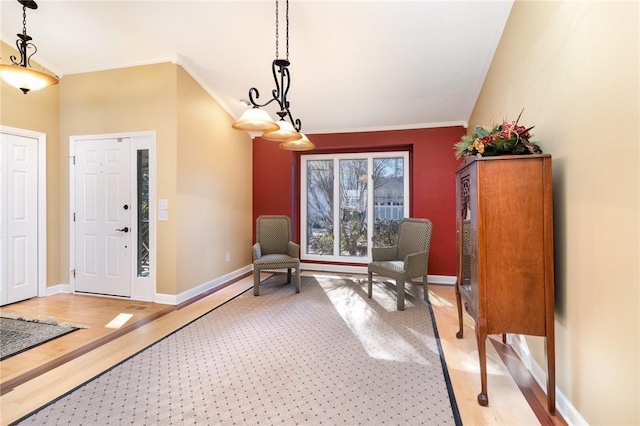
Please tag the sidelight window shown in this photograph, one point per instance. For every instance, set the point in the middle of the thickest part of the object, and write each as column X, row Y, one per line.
column 143, row 212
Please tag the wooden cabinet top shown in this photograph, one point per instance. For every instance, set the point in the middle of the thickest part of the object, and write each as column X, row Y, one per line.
column 466, row 161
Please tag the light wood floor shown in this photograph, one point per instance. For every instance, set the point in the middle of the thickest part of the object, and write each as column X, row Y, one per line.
column 39, row 375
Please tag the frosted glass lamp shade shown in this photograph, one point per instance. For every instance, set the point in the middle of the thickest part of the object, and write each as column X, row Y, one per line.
column 302, row 144
column 255, row 120
column 26, row 79
column 285, row 133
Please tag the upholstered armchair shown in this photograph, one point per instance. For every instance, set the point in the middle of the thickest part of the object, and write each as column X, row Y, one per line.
column 274, row 250
column 406, row 260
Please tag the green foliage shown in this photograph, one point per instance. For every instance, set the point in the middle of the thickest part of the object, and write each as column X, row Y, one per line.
column 322, row 243
column 385, row 232
column 505, row 138
column 353, row 237
column 463, row 145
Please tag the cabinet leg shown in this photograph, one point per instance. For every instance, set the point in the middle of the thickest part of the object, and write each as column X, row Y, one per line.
column 551, row 373
column 483, row 399
column 460, row 333
column 481, row 336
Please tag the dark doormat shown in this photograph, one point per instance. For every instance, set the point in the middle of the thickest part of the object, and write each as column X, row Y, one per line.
column 18, row 334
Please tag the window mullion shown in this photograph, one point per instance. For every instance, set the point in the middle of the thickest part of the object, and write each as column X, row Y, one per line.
column 370, row 222
column 336, row 207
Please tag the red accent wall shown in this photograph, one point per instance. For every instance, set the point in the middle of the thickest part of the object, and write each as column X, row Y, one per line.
column 276, row 175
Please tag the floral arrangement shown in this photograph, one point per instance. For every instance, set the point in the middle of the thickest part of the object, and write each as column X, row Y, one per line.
column 505, row 138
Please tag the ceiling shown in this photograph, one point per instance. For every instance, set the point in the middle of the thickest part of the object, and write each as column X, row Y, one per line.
column 355, row 65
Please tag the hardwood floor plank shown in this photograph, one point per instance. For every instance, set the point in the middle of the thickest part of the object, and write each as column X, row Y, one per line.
column 536, row 398
column 90, row 311
column 50, row 358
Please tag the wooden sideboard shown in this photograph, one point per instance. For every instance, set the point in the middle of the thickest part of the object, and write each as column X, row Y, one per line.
column 504, row 224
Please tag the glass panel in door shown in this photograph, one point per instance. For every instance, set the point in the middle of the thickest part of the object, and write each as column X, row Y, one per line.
column 467, row 232
column 320, row 207
column 353, row 207
column 388, row 200
column 143, row 212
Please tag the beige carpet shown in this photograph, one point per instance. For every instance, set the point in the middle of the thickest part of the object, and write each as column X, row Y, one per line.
column 328, row 355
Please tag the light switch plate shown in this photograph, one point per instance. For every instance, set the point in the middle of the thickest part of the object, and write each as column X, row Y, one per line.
column 163, row 215
column 163, row 204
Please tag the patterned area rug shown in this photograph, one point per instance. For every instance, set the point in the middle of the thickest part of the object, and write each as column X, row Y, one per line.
column 18, row 334
column 327, row 355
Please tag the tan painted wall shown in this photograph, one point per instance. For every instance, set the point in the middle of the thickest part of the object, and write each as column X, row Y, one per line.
column 203, row 169
column 125, row 100
column 39, row 112
column 214, row 202
column 203, row 166
column 573, row 67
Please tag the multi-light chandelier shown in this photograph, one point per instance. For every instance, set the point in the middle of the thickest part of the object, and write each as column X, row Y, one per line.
column 257, row 120
column 20, row 74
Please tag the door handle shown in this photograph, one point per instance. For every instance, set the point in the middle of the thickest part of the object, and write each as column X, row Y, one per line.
column 125, row 229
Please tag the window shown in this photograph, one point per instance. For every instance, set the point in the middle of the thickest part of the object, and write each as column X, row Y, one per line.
column 143, row 212
column 350, row 203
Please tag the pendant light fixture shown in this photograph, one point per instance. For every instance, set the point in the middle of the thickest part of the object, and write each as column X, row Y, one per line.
column 256, row 119
column 20, row 74
column 302, row 144
column 284, row 133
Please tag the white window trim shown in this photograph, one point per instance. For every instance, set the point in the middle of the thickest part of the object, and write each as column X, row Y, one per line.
column 370, row 156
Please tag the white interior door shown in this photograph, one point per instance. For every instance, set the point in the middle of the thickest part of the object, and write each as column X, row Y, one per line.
column 103, row 219
column 18, row 218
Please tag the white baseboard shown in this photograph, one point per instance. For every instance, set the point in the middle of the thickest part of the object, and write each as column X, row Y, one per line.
column 326, row 267
column 59, row 288
column 563, row 405
column 168, row 299
column 172, row 299
column 442, row 279
column 350, row 269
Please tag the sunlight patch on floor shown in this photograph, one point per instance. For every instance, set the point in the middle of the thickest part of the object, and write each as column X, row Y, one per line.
column 439, row 301
column 367, row 323
column 119, row 321
column 468, row 361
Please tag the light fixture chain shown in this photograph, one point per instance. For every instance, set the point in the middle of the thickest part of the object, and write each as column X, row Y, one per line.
column 23, row 44
column 282, row 79
column 24, row 20
column 287, row 30
column 277, row 27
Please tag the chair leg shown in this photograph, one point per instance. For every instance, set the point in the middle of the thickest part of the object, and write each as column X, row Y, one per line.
column 256, row 282
column 400, row 293
column 425, row 288
column 296, row 280
column 288, row 275
column 370, row 292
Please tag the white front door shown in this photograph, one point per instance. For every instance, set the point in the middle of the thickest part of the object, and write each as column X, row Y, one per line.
column 103, row 219
column 18, row 218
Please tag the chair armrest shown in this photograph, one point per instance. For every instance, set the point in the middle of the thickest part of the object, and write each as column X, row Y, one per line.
column 256, row 251
column 415, row 264
column 293, row 249
column 381, row 254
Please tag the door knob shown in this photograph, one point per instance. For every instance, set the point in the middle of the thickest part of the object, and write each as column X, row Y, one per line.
column 125, row 229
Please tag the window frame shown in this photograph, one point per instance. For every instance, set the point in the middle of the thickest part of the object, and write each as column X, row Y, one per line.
column 336, row 157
